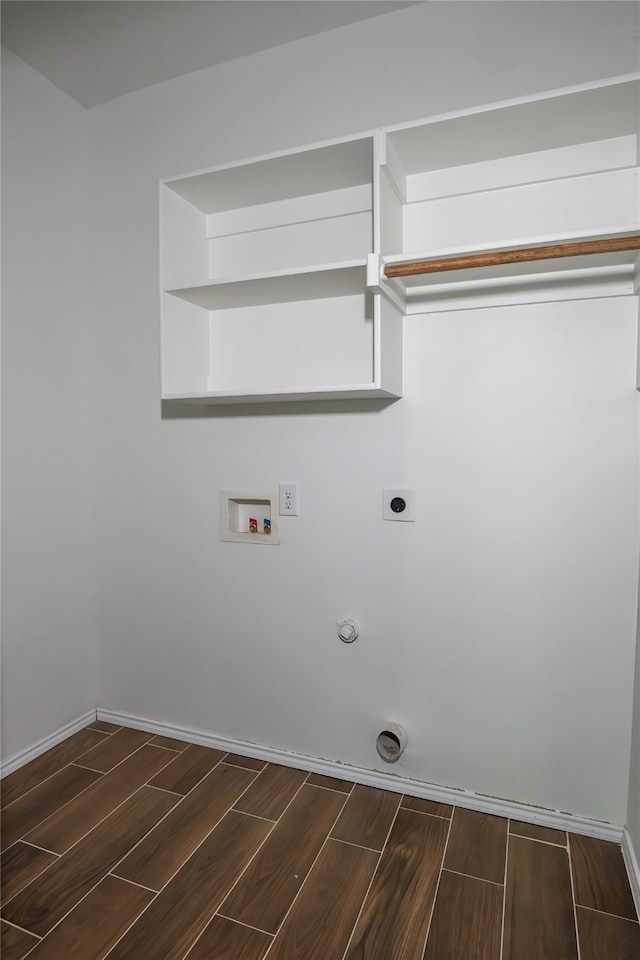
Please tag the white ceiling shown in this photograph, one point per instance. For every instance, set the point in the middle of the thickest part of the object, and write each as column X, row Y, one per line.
column 96, row 50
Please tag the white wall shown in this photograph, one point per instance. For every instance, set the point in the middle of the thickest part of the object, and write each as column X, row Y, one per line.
column 48, row 637
column 633, row 812
column 500, row 626
column 633, row 815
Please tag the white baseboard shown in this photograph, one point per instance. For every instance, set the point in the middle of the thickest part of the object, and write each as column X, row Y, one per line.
column 374, row 778
column 632, row 863
column 41, row 746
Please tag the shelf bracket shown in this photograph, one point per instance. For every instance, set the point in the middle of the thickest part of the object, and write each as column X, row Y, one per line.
column 377, row 282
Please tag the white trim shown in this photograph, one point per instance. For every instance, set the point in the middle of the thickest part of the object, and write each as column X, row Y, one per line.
column 632, row 864
column 375, row 778
column 41, row 746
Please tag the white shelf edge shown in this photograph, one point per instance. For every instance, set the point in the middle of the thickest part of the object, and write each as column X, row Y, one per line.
column 274, row 275
column 360, row 391
column 254, row 291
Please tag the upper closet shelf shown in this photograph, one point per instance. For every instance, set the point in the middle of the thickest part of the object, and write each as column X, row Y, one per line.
column 439, row 149
column 282, row 176
column 273, row 215
column 273, row 269
column 562, row 166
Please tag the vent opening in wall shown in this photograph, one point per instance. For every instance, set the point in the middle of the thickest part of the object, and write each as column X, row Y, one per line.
column 391, row 742
column 247, row 517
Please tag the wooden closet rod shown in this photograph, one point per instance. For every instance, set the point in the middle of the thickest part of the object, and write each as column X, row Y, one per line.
column 550, row 252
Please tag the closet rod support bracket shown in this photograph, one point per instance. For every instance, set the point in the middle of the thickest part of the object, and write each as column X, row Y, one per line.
column 377, row 282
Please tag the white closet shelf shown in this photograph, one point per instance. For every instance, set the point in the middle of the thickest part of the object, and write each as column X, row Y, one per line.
column 349, row 391
column 512, row 128
column 274, row 283
column 282, row 176
column 315, row 283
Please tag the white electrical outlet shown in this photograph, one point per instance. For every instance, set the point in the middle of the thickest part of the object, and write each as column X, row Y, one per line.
column 398, row 504
column 288, row 499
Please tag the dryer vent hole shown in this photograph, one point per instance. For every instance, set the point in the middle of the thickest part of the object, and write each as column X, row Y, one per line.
column 389, row 746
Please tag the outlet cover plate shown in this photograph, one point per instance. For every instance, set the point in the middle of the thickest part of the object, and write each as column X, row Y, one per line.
column 288, row 495
column 389, row 494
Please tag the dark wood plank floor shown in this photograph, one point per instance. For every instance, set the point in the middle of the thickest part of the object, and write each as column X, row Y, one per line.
column 121, row 845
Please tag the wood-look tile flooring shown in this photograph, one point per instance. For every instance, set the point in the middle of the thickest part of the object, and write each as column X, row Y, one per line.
column 123, row 845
